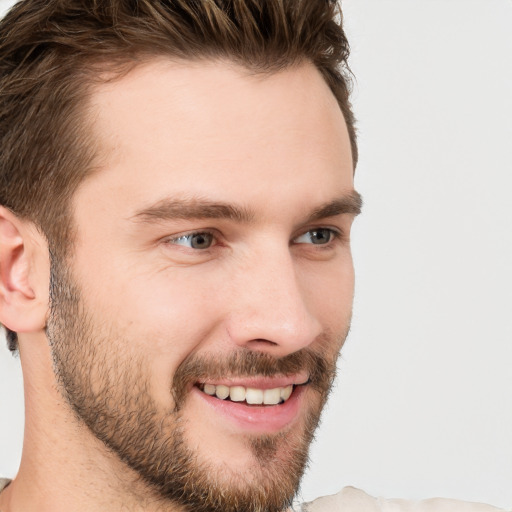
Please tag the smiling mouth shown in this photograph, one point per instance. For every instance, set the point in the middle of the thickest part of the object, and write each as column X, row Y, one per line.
column 248, row 395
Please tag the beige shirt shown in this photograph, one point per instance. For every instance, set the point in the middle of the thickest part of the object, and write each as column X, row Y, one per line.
column 354, row 500
column 3, row 483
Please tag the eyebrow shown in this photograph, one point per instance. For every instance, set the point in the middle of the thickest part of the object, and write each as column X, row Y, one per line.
column 197, row 208
column 351, row 203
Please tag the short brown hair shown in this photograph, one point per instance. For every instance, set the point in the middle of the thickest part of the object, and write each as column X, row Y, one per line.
column 52, row 51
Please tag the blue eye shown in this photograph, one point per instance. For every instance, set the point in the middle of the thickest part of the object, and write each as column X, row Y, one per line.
column 195, row 240
column 319, row 236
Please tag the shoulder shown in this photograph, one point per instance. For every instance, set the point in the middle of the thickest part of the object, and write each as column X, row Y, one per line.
column 348, row 500
column 354, row 500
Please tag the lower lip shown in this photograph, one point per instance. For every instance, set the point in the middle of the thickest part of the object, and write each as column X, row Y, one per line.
column 257, row 418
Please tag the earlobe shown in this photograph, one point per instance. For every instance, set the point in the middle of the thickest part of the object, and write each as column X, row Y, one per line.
column 22, row 307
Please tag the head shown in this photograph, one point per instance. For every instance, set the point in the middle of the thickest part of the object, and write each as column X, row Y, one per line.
column 186, row 169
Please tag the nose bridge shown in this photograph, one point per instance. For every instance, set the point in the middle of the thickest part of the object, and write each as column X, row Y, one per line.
column 270, row 306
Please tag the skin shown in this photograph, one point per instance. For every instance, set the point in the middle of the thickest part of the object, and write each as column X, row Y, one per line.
column 275, row 148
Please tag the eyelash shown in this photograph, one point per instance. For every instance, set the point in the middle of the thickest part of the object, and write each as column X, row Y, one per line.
column 335, row 234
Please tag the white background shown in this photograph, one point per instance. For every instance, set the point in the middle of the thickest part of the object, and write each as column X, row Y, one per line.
column 423, row 404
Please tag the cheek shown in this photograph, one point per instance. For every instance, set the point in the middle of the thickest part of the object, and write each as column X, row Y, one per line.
column 162, row 317
column 329, row 292
column 176, row 317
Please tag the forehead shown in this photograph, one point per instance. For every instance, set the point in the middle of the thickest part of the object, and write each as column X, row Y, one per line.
column 212, row 127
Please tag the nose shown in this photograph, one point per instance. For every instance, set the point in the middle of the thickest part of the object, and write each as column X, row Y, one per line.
column 271, row 312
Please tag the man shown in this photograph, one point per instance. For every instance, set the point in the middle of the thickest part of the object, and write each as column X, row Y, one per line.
column 177, row 197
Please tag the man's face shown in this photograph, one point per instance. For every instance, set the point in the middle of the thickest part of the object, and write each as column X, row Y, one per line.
column 212, row 256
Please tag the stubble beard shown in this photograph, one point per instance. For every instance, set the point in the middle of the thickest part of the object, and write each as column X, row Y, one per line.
column 110, row 394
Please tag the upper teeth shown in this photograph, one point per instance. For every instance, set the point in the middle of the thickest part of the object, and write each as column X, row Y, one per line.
column 250, row 395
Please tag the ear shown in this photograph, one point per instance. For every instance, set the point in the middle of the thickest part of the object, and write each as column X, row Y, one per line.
column 24, row 274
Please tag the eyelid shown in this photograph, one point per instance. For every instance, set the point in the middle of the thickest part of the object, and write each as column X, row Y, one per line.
column 174, row 238
column 336, row 233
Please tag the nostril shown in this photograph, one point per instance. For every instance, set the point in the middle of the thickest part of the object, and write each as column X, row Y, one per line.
column 261, row 342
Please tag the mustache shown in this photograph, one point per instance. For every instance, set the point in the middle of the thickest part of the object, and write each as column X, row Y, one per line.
column 248, row 363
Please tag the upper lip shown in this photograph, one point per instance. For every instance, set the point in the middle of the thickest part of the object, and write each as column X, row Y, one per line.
column 259, row 382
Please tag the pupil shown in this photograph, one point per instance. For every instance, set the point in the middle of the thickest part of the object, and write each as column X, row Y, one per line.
column 320, row 236
column 201, row 241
